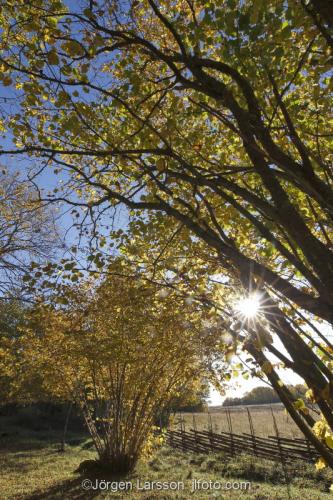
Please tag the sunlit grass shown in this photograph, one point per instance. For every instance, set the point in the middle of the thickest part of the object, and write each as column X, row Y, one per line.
column 261, row 417
column 31, row 467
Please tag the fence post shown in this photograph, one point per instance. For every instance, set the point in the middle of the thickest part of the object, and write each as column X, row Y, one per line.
column 195, row 433
column 169, row 433
column 309, row 449
column 283, row 463
column 211, row 437
column 231, row 442
column 182, row 424
column 253, row 436
column 232, row 447
column 278, row 439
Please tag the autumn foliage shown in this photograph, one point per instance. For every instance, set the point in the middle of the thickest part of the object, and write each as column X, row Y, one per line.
column 209, row 122
column 120, row 352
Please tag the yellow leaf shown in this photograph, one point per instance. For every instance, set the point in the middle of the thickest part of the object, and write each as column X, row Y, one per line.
column 320, row 464
column 309, row 395
column 160, row 164
column 299, row 404
column 267, row 367
column 329, row 440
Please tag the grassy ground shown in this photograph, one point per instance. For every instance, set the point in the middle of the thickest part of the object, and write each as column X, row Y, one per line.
column 261, row 417
column 32, row 468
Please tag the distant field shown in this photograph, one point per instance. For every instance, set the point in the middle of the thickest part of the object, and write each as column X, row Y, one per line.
column 261, row 418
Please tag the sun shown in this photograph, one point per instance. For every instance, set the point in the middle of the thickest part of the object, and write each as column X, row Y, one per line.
column 249, row 306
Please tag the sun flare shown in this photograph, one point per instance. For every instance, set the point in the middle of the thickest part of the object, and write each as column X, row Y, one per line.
column 249, row 306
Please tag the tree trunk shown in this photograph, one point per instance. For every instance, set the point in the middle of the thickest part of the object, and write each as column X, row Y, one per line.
column 288, row 403
column 63, row 441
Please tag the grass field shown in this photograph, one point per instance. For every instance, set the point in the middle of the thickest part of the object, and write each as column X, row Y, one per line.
column 261, row 417
column 32, row 468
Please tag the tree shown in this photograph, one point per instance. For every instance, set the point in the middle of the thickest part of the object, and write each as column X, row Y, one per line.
column 11, row 320
column 17, row 385
column 214, row 115
column 27, row 231
column 263, row 395
column 193, row 399
column 121, row 353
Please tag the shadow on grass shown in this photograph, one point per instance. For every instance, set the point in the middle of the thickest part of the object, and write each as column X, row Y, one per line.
column 73, row 488
column 22, row 441
column 70, row 489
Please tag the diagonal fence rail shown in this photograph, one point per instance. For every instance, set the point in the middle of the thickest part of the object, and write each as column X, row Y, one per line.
column 276, row 448
column 273, row 447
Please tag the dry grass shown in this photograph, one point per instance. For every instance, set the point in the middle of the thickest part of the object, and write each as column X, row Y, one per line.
column 261, row 417
column 31, row 468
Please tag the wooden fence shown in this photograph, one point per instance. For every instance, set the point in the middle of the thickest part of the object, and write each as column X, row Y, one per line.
column 273, row 447
column 277, row 448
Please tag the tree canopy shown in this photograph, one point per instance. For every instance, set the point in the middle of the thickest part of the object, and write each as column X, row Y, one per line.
column 27, row 232
column 119, row 351
column 216, row 116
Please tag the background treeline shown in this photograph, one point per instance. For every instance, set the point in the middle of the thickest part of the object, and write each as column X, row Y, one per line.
column 263, row 395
